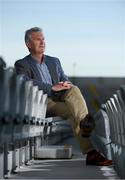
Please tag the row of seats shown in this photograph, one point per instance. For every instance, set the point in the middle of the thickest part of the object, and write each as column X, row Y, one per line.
column 23, row 124
column 22, row 120
column 110, row 130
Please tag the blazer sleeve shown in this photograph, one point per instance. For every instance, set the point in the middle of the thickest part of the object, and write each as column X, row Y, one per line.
column 21, row 68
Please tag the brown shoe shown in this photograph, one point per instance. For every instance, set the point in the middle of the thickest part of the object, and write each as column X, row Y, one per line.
column 97, row 159
column 87, row 125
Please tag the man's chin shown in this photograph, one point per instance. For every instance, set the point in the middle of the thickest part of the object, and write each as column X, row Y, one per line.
column 41, row 51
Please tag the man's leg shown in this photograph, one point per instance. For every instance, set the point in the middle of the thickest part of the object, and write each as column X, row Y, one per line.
column 76, row 104
column 78, row 109
column 57, row 108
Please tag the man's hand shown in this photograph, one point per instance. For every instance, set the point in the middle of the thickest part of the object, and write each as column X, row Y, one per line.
column 62, row 86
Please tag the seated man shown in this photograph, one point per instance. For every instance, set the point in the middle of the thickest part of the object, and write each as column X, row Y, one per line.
column 64, row 98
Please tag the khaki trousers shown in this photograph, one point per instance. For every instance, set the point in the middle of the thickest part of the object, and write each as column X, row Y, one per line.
column 71, row 105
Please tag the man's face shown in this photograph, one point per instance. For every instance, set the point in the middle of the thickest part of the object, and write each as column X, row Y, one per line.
column 37, row 43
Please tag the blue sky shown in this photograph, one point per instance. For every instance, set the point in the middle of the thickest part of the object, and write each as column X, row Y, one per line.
column 88, row 36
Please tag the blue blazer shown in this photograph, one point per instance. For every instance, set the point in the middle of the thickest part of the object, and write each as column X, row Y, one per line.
column 27, row 67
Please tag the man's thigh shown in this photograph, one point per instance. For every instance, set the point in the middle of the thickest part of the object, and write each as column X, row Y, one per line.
column 57, row 108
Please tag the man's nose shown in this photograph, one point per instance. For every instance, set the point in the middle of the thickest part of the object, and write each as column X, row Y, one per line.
column 42, row 42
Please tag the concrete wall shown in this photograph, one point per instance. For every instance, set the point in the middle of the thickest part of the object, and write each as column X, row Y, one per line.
column 97, row 90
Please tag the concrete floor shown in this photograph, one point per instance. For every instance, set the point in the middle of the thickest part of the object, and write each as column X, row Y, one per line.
column 64, row 169
column 74, row 168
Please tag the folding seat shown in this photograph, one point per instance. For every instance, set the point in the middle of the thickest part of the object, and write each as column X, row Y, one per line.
column 115, row 116
column 16, row 98
column 101, row 133
column 5, row 114
column 44, row 120
column 25, row 98
column 113, row 137
column 32, row 108
column 120, row 97
column 120, row 115
column 118, row 138
column 117, row 131
column 1, row 124
column 38, row 128
column 6, row 118
column 37, row 124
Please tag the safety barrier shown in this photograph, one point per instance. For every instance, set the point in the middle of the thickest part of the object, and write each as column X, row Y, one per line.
column 113, row 140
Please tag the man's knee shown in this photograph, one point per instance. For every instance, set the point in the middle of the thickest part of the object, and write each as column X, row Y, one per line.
column 75, row 88
column 73, row 91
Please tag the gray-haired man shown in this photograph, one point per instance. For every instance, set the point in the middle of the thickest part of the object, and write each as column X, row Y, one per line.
column 64, row 98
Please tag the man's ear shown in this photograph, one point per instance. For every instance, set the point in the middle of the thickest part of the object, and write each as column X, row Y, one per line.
column 28, row 45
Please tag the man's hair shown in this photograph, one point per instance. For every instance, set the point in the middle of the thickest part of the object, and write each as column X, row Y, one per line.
column 29, row 31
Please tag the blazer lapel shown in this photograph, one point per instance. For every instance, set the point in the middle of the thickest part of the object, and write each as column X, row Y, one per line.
column 34, row 68
column 52, row 70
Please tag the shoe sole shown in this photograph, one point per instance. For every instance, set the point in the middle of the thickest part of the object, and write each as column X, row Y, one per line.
column 105, row 163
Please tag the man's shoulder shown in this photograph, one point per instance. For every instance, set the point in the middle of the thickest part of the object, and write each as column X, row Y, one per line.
column 24, row 60
column 51, row 58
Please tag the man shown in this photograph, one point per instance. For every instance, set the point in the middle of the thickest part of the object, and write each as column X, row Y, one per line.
column 64, row 99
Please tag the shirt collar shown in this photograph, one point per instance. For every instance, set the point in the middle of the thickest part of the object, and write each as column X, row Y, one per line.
column 35, row 61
